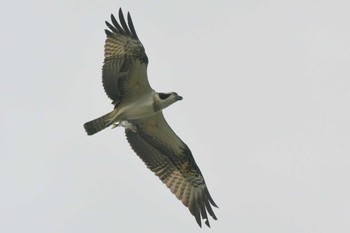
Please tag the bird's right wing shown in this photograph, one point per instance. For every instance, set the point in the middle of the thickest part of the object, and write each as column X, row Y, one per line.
column 171, row 160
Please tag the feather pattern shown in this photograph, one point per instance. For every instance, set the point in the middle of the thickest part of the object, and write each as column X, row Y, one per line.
column 171, row 160
column 125, row 63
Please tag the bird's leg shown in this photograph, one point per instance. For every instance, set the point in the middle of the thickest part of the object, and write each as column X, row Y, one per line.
column 115, row 125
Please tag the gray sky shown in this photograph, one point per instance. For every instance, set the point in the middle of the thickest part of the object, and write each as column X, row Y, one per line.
column 265, row 112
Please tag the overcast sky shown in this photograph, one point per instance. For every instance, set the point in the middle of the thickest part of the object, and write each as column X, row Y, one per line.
column 266, row 113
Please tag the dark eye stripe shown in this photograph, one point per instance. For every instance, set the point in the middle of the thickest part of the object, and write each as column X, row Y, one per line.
column 163, row 96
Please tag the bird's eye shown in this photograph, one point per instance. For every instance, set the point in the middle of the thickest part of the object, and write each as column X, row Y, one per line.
column 163, row 96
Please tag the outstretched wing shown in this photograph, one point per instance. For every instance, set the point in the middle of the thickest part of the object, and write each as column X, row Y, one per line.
column 171, row 160
column 125, row 64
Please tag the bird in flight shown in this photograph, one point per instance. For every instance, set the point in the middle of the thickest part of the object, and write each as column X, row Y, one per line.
column 138, row 108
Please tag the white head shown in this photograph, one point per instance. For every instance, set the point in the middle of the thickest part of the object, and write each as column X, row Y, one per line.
column 163, row 100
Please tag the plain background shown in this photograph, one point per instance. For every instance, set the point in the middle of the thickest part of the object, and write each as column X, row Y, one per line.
column 266, row 114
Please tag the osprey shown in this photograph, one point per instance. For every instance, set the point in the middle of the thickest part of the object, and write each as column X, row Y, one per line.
column 138, row 108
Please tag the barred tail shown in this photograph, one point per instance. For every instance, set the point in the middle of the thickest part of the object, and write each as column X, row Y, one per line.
column 100, row 123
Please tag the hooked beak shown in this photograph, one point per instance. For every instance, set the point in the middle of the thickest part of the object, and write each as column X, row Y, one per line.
column 179, row 97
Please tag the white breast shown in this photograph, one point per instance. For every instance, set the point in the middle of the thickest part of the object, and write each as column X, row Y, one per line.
column 141, row 108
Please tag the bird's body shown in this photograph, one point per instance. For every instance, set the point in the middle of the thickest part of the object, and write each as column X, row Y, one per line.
column 138, row 108
column 144, row 106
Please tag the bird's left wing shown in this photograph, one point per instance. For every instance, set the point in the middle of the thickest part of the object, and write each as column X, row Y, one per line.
column 171, row 160
column 124, row 72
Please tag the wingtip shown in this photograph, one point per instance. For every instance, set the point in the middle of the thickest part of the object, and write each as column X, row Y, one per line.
column 113, row 18
column 108, row 33
column 207, row 223
column 120, row 12
column 199, row 222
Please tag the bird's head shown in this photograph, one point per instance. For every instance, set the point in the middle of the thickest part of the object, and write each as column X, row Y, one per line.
column 163, row 100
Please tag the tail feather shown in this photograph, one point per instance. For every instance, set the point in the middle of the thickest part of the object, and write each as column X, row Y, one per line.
column 100, row 123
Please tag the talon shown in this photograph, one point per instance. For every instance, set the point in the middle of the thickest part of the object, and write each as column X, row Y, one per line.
column 127, row 125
